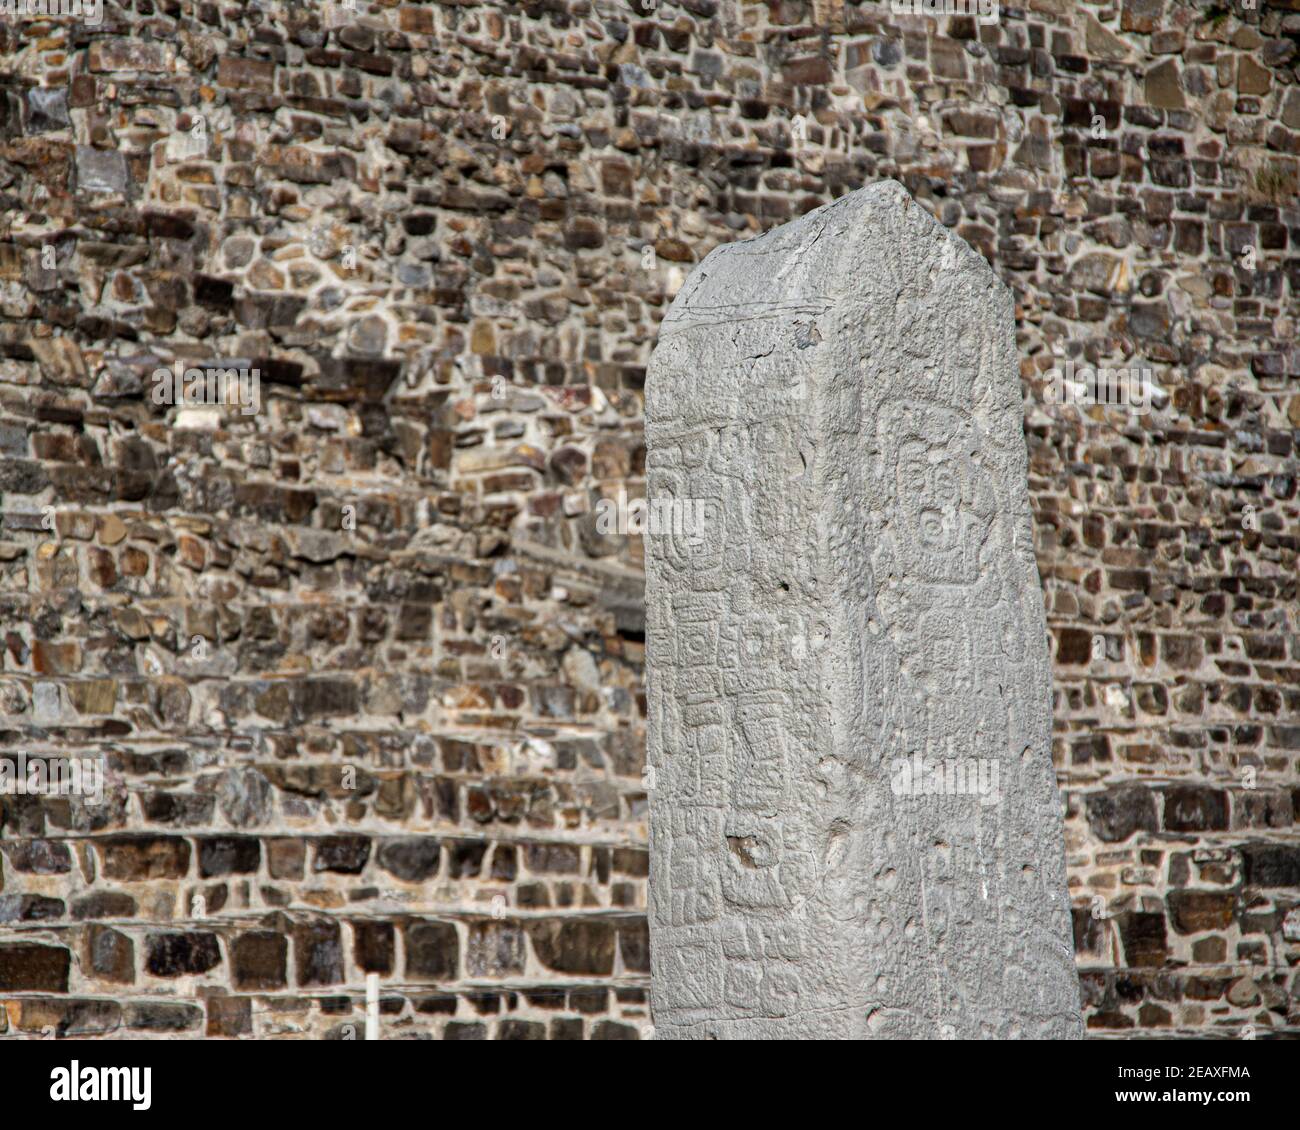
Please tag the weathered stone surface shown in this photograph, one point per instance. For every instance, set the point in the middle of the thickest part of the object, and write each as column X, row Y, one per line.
column 68, row 1018
column 495, row 948
column 145, row 857
column 179, row 955
column 111, row 955
column 29, row 967
column 47, row 110
column 160, row 1017
column 856, row 608
column 1163, row 87
column 101, row 170
column 344, row 854
column 374, row 946
column 1115, row 814
column 318, row 953
column 104, row 904
column 29, row 908
column 432, row 951
column 258, row 960
column 1144, row 937
column 579, row 946
column 245, row 797
column 229, row 1016
column 1272, row 865
column 412, row 860
column 251, row 74
column 1197, row 911
column 228, row 855
column 38, row 857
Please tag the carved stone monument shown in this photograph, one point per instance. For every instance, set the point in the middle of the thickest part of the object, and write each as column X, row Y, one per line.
column 854, row 823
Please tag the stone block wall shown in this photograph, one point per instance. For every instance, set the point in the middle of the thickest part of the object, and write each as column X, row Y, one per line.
column 364, row 669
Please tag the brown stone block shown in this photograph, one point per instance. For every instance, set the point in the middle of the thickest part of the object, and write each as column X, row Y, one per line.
column 152, row 56
column 139, row 858
column 102, row 567
column 811, row 70
column 110, row 955
column 1116, row 813
column 1182, row 653
column 583, row 946
column 1144, row 938
column 62, row 1018
column 55, row 658
column 1193, row 912
column 228, row 855
column 259, row 960
column 29, row 967
column 286, row 858
column 1163, row 87
column 1073, row 646
column 343, row 855
column 235, row 73
column 417, row 21
column 1193, row 808
column 373, row 946
column 318, row 953
column 229, row 1016
column 432, row 951
column 92, row 696
column 182, row 955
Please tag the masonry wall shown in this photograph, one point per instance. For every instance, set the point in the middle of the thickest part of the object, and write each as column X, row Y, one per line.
column 365, row 673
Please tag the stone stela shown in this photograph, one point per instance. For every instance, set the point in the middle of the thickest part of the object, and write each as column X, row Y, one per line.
column 854, row 823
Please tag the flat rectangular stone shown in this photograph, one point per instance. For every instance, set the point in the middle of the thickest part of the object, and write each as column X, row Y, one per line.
column 130, row 55
column 236, row 73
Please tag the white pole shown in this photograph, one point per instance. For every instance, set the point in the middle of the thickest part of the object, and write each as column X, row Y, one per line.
column 372, row 1006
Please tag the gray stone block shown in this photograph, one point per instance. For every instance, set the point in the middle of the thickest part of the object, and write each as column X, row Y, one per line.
column 101, row 170
column 855, row 827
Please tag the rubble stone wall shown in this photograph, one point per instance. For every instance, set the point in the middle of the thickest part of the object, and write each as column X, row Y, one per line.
column 363, row 667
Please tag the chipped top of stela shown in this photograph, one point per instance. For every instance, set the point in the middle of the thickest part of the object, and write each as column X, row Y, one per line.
column 873, row 263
